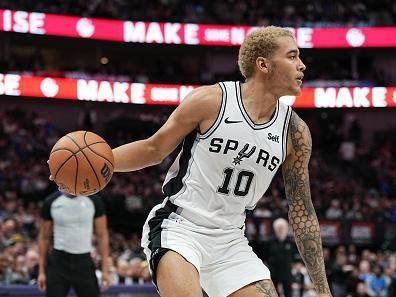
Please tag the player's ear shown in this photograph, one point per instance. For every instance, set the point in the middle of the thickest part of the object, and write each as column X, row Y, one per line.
column 263, row 64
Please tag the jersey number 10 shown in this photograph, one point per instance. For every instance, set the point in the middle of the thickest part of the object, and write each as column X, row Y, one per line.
column 242, row 185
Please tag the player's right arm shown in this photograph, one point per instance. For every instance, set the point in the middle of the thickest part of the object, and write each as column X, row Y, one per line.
column 197, row 111
column 43, row 245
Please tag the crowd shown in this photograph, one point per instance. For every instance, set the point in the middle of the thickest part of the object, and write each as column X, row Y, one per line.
column 285, row 13
column 348, row 180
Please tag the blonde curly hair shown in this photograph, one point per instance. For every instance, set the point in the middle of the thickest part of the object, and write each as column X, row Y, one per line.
column 259, row 43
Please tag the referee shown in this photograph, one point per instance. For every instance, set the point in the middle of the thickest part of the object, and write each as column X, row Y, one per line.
column 71, row 221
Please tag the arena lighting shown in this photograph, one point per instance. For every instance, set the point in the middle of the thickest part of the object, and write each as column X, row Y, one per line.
column 177, row 33
column 161, row 94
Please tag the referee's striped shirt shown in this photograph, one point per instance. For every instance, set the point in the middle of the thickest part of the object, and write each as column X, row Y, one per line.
column 73, row 219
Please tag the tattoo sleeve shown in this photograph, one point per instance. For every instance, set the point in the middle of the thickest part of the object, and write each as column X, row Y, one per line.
column 266, row 288
column 302, row 216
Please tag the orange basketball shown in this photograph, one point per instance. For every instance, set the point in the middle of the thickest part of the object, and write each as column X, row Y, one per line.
column 81, row 163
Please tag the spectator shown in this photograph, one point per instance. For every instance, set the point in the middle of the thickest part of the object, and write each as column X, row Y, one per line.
column 352, row 255
column 10, row 232
column 19, row 274
column 5, row 269
column 364, row 270
column 392, row 286
column 123, row 272
column 377, row 284
column 361, row 290
column 135, row 270
column 339, row 274
column 32, row 265
column 353, row 281
column 145, row 273
column 334, row 212
column 299, row 276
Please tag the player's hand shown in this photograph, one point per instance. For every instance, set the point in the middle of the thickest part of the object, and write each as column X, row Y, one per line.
column 51, row 178
column 65, row 190
column 324, row 295
column 105, row 284
column 60, row 188
column 41, row 282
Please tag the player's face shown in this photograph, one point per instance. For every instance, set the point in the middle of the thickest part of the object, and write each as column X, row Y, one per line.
column 287, row 68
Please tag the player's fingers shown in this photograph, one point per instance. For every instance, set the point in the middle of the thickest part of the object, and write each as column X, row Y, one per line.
column 65, row 191
column 50, row 177
column 62, row 189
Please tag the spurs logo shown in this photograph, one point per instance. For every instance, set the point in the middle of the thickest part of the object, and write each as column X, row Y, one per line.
column 243, row 153
column 255, row 154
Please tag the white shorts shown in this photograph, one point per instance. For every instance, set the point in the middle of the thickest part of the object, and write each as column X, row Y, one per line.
column 223, row 258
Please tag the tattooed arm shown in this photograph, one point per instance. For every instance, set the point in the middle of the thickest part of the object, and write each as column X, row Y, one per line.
column 302, row 216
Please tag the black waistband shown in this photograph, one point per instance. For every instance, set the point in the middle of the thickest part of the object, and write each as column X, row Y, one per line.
column 171, row 206
column 70, row 255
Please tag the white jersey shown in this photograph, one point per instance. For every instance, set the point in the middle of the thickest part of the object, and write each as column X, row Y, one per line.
column 220, row 174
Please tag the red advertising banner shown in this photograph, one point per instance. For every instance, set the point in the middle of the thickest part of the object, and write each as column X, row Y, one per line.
column 191, row 34
column 331, row 231
column 138, row 93
column 362, row 232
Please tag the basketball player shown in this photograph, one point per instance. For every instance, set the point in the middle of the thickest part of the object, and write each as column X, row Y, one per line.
column 71, row 220
column 235, row 137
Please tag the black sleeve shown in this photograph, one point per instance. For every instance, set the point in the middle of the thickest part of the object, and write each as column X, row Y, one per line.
column 46, row 208
column 99, row 206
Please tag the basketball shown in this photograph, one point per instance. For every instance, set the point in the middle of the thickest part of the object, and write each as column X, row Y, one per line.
column 81, row 163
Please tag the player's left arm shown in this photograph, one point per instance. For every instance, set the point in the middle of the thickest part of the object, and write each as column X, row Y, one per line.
column 302, row 216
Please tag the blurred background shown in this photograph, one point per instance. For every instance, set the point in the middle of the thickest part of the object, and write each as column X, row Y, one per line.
column 115, row 68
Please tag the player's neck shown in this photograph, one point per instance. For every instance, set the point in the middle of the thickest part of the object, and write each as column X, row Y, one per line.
column 258, row 100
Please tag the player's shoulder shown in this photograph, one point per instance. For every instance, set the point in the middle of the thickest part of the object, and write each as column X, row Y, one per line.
column 297, row 124
column 299, row 135
column 207, row 90
column 202, row 103
column 204, row 94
